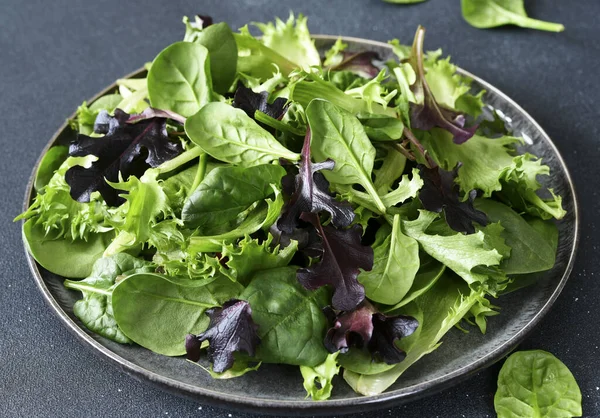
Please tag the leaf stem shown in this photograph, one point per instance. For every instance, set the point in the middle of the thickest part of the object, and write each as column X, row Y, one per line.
column 527, row 22
column 180, row 160
column 201, row 172
column 69, row 284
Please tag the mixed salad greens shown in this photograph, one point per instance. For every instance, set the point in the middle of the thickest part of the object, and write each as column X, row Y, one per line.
column 258, row 201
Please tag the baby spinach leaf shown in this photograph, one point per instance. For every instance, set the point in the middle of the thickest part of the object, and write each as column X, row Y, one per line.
column 318, row 380
column 157, row 313
column 381, row 127
column 51, row 161
column 64, row 257
column 251, row 102
column 229, row 135
column 95, row 308
column 222, row 49
column 395, row 264
column 180, row 78
column 343, row 256
column 530, row 251
column 491, row 13
column 339, row 135
column 536, row 384
column 226, row 192
column 121, row 152
column 231, row 329
column 290, row 322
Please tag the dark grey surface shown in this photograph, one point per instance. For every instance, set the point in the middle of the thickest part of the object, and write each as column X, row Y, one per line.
column 55, row 54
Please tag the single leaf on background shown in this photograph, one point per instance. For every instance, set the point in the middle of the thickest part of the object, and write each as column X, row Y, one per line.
column 530, row 251
column 343, row 256
column 158, row 313
column 484, row 14
column 291, row 39
column 219, row 41
column 51, row 161
column 180, row 78
column 536, row 384
column 226, row 192
column 318, row 380
column 95, row 308
column 290, row 322
column 230, row 135
column 339, row 135
column 122, row 151
column 461, row 253
column 395, row 264
column 65, row 257
column 311, row 194
column 440, row 193
column 251, row 102
column 440, row 308
column 231, row 330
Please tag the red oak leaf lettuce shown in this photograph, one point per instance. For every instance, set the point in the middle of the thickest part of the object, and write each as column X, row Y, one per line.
column 358, row 62
column 231, row 330
column 249, row 101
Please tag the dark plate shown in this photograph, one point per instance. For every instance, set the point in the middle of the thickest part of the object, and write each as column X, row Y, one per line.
column 278, row 389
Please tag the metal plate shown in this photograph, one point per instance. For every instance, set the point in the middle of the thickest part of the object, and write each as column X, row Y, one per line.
column 277, row 389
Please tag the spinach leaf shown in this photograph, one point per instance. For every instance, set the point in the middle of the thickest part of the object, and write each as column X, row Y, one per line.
column 291, row 325
column 226, row 192
column 396, row 262
column 530, row 252
column 491, row 13
column 51, row 161
column 318, row 380
column 157, row 313
column 536, row 384
column 64, row 257
column 337, row 134
column 222, row 49
column 381, row 127
column 95, row 308
column 180, row 78
column 230, row 135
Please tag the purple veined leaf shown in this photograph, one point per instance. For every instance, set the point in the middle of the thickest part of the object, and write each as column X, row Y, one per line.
column 127, row 149
column 231, row 329
column 429, row 113
column 249, row 101
column 365, row 327
column 440, row 193
column 342, row 257
column 311, row 194
column 358, row 62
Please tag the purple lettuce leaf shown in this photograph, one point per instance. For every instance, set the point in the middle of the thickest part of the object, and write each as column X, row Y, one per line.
column 311, row 194
column 440, row 193
column 231, row 330
column 127, row 148
column 249, row 101
column 342, row 257
column 429, row 113
column 365, row 327
column 358, row 62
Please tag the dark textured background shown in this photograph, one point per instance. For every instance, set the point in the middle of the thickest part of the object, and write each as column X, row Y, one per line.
column 55, row 54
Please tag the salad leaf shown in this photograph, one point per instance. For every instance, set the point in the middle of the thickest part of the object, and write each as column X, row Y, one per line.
column 95, row 308
column 406, row 189
column 180, row 78
column 219, row 41
column 395, row 264
column 491, row 13
column 311, row 194
column 122, row 151
column 231, row 330
column 230, row 135
column 238, row 369
column 373, row 92
column 251, row 102
column 226, row 192
column 318, row 380
column 536, row 383
column 439, row 193
column 343, row 255
column 51, row 161
column 291, row 39
column 85, row 116
column 391, row 169
column 381, row 127
column 158, row 313
column 290, row 322
column 360, row 63
column 339, row 135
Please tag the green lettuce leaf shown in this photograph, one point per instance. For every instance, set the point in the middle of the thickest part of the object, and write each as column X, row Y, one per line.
column 318, row 380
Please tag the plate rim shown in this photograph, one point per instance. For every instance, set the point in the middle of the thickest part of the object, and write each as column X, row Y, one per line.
column 301, row 407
